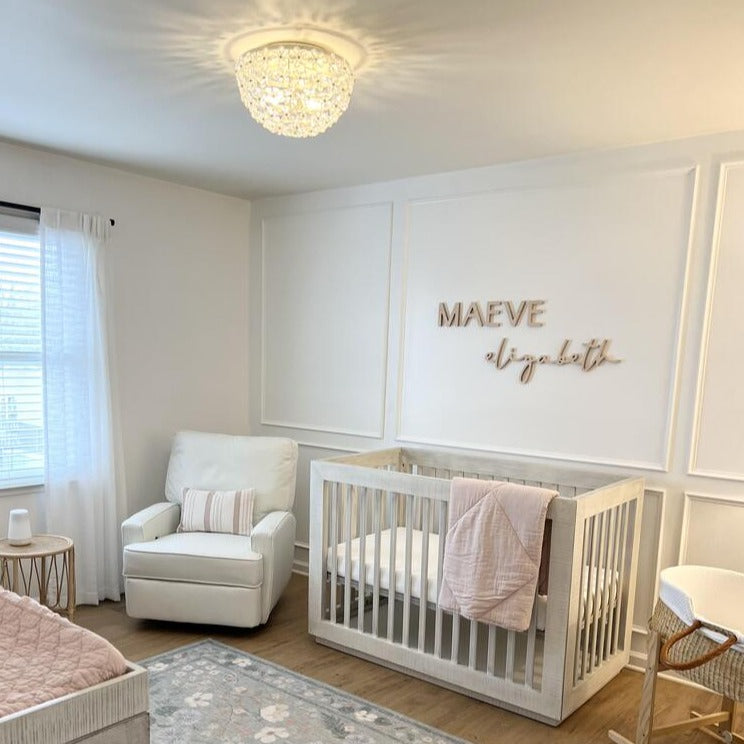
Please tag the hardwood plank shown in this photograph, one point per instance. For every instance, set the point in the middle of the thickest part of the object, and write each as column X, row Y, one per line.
column 285, row 640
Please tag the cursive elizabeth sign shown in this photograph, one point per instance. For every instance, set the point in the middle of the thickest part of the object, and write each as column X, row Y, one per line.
column 588, row 356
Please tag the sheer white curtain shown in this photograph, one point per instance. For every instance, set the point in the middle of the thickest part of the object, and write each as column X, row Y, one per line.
column 82, row 495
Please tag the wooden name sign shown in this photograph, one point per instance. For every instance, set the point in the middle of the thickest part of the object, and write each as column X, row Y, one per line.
column 492, row 313
column 496, row 313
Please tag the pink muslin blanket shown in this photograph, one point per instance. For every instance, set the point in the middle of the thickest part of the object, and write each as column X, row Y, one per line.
column 492, row 551
column 44, row 656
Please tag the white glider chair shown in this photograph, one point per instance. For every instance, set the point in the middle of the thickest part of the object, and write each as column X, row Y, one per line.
column 214, row 577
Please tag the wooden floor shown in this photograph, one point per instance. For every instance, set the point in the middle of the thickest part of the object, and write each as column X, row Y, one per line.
column 285, row 640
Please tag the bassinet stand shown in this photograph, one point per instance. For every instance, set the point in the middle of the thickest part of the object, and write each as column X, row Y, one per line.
column 723, row 673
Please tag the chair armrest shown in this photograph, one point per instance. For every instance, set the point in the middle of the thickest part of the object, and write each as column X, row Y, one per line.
column 273, row 537
column 150, row 523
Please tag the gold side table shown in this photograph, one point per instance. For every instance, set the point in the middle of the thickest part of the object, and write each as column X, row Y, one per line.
column 47, row 564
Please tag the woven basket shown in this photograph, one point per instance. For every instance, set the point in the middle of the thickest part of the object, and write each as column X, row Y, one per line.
column 724, row 674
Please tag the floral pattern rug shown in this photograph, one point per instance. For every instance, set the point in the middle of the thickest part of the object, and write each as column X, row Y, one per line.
column 210, row 692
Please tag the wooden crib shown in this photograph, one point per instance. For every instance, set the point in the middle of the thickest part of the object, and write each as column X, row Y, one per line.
column 378, row 524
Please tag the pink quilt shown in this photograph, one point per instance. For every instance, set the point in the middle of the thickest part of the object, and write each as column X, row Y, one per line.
column 492, row 551
column 44, row 656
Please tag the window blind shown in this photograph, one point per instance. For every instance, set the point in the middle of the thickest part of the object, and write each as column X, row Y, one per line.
column 21, row 390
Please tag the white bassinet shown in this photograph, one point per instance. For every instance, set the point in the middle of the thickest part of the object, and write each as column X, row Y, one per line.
column 391, row 508
column 713, row 595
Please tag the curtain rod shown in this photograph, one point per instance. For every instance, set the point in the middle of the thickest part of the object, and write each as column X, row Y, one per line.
column 31, row 210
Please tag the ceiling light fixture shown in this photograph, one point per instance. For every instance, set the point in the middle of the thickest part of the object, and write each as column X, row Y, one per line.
column 294, row 89
column 295, row 81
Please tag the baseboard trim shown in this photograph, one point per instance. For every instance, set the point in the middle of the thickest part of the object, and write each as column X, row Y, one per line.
column 301, row 563
column 301, row 568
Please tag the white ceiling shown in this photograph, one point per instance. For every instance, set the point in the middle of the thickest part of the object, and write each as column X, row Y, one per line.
column 145, row 84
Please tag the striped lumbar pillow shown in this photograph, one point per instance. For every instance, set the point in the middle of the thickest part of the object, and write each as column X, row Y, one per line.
column 217, row 511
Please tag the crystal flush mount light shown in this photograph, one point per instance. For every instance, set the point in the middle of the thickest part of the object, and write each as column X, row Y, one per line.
column 295, row 82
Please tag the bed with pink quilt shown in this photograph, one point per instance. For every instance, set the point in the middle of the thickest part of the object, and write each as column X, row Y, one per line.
column 62, row 683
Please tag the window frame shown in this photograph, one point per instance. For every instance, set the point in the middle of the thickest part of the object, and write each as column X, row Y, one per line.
column 24, row 225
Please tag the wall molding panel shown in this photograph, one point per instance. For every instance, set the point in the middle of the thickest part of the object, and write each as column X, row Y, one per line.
column 324, row 319
column 532, row 453
column 526, row 244
column 307, row 453
column 712, row 526
column 717, row 442
column 329, row 447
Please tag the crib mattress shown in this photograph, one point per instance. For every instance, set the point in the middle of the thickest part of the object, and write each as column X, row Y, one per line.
column 713, row 595
column 594, row 586
column 400, row 561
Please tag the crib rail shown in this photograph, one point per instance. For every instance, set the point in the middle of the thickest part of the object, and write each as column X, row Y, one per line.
column 378, row 533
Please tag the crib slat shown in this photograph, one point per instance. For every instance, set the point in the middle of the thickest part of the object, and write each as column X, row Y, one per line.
column 585, row 580
column 325, row 541
column 599, row 598
column 392, row 580
column 593, row 591
column 333, row 540
column 407, row 574
column 377, row 524
column 473, row 648
column 511, row 642
column 440, row 564
column 347, row 496
column 620, row 545
column 455, row 637
column 606, row 585
column 614, row 588
column 529, row 663
column 424, row 598
column 621, row 576
column 362, row 584
column 491, row 652
column 602, row 560
column 578, row 671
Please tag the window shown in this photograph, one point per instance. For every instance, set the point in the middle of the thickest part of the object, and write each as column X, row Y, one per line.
column 21, row 410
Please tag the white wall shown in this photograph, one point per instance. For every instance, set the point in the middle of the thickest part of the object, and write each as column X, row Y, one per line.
column 619, row 245
column 179, row 304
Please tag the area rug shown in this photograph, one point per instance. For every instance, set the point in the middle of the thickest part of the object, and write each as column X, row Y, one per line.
column 210, row 692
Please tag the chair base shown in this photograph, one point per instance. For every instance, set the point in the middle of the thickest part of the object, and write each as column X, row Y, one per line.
column 715, row 725
column 206, row 604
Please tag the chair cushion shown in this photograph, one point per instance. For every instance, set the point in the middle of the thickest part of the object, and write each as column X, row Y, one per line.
column 222, row 462
column 196, row 557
